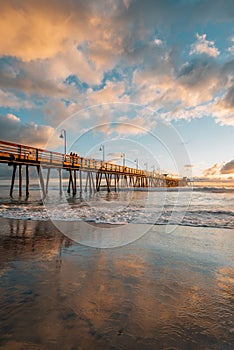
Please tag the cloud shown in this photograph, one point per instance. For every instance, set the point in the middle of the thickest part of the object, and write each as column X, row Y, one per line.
column 57, row 110
column 8, row 99
column 228, row 100
column 114, row 48
column 220, row 169
column 231, row 48
column 123, row 128
column 36, row 30
column 199, row 87
column 204, row 46
column 158, row 42
column 41, row 78
column 189, row 166
column 200, row 76
column 111, row 92
column 134, row 126
column 43, row 29
column 228, row 168
column 212, row 171
column 114, row 154
column 223, row 108
column 127, row 3
column 12, row 129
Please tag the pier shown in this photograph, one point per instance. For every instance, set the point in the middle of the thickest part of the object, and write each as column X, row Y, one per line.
column 84, row 174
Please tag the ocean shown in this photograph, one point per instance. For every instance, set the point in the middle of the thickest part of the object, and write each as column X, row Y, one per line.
column 186, row 206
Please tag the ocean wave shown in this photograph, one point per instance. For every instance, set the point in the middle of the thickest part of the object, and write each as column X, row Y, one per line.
column 121, row 215
column 213, row 189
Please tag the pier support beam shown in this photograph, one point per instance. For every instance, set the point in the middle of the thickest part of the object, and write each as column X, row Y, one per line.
column 107, row 183
column 74, row 187
column 47, row 180
column 20, row 180
column 27, row 180
column 70, row 184
column 98, row 181
column 13, row 180
column 91, row 175
column 60, row 181
column 118, row 177
column 80, row 182
column 86, row 182
column 41, row 180
column 115, row 182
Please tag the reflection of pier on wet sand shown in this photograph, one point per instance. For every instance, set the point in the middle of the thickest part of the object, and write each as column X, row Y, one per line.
column 30, row 240
column 96, row 173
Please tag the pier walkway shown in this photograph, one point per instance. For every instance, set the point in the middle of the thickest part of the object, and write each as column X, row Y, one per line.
column 84, row 174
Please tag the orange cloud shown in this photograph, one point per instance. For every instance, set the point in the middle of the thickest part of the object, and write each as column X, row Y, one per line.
column 12, row 129
column 33, row 30
column 228, row 168
column 214, row 170
column 44, row 29
column 51, row 40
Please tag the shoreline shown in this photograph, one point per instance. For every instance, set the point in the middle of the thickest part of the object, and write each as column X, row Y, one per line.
column 139, row 234
column 115, row 224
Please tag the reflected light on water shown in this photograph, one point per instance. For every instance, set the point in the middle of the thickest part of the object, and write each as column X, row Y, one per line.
column 157, row 293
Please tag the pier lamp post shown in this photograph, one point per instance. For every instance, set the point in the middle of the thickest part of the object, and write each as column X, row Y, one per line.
column 146, row 166
column 123, row 155
column 137, row 163
column 63, row 135
column 153, row 167
column 102, row 148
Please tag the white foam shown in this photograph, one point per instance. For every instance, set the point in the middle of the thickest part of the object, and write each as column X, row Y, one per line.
column 205, row 209
column 115, row 216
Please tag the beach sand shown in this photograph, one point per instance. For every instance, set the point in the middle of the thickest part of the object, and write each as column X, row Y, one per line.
column 166, row 290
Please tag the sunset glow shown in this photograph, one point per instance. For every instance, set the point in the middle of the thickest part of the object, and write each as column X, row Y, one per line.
column 175, row 58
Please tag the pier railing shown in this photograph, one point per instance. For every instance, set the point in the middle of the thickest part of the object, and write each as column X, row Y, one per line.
column 17, row 153
column 96, row 171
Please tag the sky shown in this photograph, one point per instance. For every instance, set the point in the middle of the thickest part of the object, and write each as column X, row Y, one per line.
column 152, row 81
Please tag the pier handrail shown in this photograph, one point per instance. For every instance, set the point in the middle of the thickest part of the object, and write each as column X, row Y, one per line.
column 13, row 152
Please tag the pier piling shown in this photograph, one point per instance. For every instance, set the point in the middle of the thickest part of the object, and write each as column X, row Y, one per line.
column 27, row 180
column 13, row 180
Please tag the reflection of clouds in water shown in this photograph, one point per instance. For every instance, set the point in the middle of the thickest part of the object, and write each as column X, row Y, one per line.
column 103, row 235
column 225, row 275
column 225, row 282
column 139, row 296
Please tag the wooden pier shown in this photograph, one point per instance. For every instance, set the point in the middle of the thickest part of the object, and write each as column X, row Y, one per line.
column 84, row 174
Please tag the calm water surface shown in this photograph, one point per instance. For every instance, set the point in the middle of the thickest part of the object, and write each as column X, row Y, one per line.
column 164, row 291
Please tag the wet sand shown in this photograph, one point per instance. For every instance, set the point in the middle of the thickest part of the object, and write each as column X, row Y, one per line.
column 163, row 291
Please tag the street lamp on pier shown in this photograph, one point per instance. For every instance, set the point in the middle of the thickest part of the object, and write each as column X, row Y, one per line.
column 63, row 135
column 123, row 155
column 137, row 163
column 102, row 148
